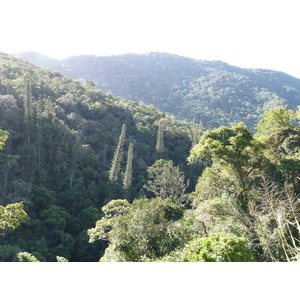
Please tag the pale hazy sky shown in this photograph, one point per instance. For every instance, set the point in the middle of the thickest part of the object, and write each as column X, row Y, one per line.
column 245, row 33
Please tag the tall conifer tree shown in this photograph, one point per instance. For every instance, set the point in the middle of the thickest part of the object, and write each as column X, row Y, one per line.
column 160, row 138
column 115, row 165
column 127, row 181
column 28, row 108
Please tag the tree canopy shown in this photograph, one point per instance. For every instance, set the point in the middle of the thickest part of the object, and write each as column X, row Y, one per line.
column 223, row 194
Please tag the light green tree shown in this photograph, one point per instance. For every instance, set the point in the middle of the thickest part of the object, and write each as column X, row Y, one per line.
column 3, row 138
column 26, row 257
column 166, row 180
column 11, row 217
column 115, row 165
column 61, row 259
column 144, row 230
column 279, row 131
column 127, row 180
column 275, row 119
column 234, row 151
column 111, row 211
column 218, row 247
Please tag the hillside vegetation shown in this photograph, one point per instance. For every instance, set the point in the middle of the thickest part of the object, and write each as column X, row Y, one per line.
column 86, row 176
column 57, row 158
column 212, row 92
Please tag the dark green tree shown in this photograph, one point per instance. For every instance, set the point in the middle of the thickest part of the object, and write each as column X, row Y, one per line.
column 160, row 148
column 28, row 108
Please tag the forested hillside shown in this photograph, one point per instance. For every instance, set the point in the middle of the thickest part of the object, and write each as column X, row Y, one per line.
column 86, row 176
column 59, row 152
column 211, row 91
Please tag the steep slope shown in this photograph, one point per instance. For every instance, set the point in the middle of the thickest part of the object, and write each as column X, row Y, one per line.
column 62, row 137
column 211, row 91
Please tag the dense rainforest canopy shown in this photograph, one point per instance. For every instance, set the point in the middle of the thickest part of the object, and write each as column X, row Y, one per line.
column 57, row 159
column 86, row 176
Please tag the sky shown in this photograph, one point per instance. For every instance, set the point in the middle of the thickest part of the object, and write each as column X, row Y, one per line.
column 244, row 33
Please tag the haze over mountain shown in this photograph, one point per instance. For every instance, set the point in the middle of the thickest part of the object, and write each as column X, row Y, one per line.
column 212, row 92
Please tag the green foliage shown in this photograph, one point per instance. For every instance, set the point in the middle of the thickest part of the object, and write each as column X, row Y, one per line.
column 115, row 208
column 224, row 144
column 212, row 183
column 112, row 210
column 127, row 180
column 234, row 152
column 148, row 230
column 89, row 216
column 61, row 161
column 166, row 180
column 8, row 253
column 275, row 119
column 11, row 217
column 277, row 221
column 61, row 259
column 57, row 159
column 270, row 213
column 223, row 214
column 160, row 148
column 115, row 167
column 281, row 135
column 26, row 257
column 218, row 247
column 211, row 91
column 54, row 216
column 197, row 132
column 3, row 138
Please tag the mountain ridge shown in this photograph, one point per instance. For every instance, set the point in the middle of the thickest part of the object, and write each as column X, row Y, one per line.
column 212, row 92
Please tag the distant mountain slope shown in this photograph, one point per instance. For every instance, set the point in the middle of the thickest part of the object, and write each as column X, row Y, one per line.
column 41, row 59
column 211, row 91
